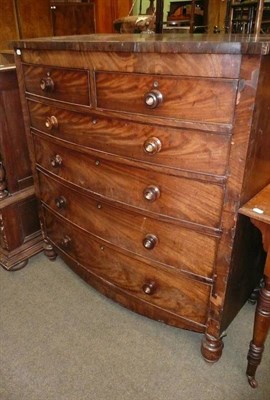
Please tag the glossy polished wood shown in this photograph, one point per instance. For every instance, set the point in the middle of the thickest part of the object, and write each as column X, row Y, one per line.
column 169, row 117
column 258, row 210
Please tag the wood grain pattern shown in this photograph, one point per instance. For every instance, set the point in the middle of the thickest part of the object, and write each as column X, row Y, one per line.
column 191, row 150
column 116, row 182
column 186, row 250
column 117, row 269
column 69, row 85
column 212, row 154
column 183, row 98
column 28, row 13
column 203, row 65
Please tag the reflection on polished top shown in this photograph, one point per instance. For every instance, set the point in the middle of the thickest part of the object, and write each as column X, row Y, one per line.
column 164, row 43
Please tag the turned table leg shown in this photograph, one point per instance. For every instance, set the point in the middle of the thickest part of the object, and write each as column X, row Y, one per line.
column 262, row 314
column 258, row 210
column 261, row 328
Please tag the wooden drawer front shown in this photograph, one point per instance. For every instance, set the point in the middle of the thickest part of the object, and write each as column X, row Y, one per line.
column 69, row 85
column 183, row 149
column 173, row 292
column 176, row 197
column 178, row 247
column 196, row 99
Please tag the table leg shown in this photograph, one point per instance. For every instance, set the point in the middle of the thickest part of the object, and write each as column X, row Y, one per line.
column 261, row 328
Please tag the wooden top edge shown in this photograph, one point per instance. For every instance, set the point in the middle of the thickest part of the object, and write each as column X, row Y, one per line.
column 150, row 43
column 258, row 207
column 7, row 67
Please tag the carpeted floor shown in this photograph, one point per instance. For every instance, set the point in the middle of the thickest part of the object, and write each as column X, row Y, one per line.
column 62, row 340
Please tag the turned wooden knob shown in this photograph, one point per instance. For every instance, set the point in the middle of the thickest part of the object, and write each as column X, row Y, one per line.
column 149, row 287
column 151, row 193
column 61, row 202
column 47, row 84
column 153, row 98
column 51, row 122
column 56, row 161
column 150, row 241
column 152, row 145
column 65, row 242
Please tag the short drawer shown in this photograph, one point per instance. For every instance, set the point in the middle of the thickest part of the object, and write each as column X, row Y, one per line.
column 185, row 149
column 168, row 290
column 185, row 98
column 68, row 85
column 156, row 193
column 163, row 242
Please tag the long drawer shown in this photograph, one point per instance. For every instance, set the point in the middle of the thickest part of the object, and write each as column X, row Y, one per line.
column 168, row 290
column 192, row 98
column 61, row 84
column 163, row 242
column 185, row 149
column 157, row 193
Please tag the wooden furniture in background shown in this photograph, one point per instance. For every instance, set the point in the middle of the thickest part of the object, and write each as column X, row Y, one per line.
column 20, row 235
column 191, row 14
column 144, row 150
column 258, row 210
column 33, row 18
column 249, row 17
column 216, row 16
column 22, row 19
column 73, row 18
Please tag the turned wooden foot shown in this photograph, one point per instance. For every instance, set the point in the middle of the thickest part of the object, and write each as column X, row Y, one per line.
column 49, row 251
column 253, row 298
column 261, row 328
column 211, row 348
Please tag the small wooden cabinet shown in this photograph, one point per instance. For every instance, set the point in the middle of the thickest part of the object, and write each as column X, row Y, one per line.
column 144, row 149
column 20, row 235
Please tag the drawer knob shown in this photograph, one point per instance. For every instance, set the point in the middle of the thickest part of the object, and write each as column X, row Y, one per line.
column 47, row 84
column 51, row 122
column 149, row 287
column 150, row 241
column 151, row 193
column 56, row 161
column 153, row 98
column 65, row 242
column 61, row 202
column 152, row 145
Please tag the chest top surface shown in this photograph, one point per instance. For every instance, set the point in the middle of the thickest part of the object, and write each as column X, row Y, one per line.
column 162, row 43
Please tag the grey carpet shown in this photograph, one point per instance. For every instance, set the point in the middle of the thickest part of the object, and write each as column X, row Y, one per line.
column 62, row 340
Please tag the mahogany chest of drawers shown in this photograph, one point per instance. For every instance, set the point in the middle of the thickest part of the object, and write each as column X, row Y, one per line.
column 143, row 148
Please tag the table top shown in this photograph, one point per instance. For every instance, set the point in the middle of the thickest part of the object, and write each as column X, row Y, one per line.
column 258, row 207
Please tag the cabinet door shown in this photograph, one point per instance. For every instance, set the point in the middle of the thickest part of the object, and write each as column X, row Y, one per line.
column 34, row 18
column 9, row 30
column 73, row 18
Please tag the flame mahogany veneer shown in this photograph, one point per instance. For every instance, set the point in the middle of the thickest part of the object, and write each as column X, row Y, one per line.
column 144, row 147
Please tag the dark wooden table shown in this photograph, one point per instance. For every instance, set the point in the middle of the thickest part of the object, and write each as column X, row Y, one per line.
column 258, row 209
